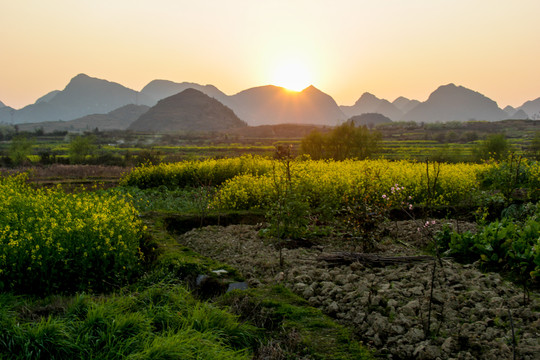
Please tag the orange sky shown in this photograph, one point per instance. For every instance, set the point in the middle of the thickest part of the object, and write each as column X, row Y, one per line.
column 387, row 47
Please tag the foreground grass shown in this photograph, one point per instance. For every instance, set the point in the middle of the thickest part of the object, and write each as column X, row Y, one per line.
column 161, row 322
column 159, row 318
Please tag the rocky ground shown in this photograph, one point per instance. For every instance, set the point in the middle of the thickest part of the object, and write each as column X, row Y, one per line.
column 473, row 315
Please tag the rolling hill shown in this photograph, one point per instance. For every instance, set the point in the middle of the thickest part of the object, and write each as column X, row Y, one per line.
column 190, row 110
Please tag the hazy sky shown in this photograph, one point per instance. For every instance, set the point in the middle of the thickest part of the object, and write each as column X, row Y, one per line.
column 343, row 47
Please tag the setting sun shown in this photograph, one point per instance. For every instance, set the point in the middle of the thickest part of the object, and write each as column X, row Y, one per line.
column 292, row 75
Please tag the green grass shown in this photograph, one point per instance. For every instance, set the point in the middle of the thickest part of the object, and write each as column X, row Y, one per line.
column 163, row 321
column 303, row 330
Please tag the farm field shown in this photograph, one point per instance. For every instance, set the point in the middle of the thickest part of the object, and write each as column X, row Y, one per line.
column 447, row 142
column 399, row 259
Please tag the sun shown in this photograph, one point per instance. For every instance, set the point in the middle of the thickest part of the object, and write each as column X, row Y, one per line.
column 292, row 75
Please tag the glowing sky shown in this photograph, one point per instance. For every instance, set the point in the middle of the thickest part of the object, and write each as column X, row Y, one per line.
column 345, row 47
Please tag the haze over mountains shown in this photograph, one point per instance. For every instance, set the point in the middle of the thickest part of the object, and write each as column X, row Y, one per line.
column 264, row 105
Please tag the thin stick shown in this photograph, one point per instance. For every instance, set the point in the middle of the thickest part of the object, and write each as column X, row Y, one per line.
column 431, row 299
column 513, row 334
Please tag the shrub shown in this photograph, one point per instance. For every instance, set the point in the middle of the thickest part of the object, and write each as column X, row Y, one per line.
column 507, row 245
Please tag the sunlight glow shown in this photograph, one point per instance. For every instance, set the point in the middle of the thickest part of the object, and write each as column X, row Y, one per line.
column 292, row 75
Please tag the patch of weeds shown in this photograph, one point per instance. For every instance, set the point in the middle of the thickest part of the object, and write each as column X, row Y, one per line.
column 302, row 329
column 175, row 263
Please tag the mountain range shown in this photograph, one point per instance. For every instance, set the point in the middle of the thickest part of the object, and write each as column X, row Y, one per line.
column 264, row 105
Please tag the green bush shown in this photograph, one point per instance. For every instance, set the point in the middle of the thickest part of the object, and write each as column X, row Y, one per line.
column 507, row 245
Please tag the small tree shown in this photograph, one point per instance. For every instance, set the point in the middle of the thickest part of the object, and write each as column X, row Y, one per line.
column 495, row 147
column 80, row 147
column 19, row 149
column 344, row 142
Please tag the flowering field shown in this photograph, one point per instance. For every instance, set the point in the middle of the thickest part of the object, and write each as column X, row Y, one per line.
column 51, row 241
column 333, row 182
column 250, row 182
column 195, row 173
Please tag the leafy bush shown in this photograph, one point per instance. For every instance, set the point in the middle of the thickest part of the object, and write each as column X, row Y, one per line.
column 506, row 245
column 51, row 241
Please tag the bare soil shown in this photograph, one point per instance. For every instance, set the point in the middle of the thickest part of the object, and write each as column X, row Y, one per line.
column 472, row 315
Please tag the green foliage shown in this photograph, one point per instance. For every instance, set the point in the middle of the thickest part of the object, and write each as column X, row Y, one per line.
column 19, row 149
column 80, row 148
column 343, row 142
column 306, row 331
column 163, row 199
column 287, row 216
column 514, row 177
column 508, row 245
column 161, row 322
column 495, row 147
column 288, row 213
column 51, row 241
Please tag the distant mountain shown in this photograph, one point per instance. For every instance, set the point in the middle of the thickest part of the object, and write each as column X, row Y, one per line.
column 2, row 105
column 455, row 103
column 118, row 119
column 519, row 115
column 270, row 105
column 83, row 95
column 532, row 108
column 47, row 97
column 161, row 89
column 5, row 114
column 190, row 110
column 369, row 103
column 369, row 119
column 405, row 105
column 510, row 110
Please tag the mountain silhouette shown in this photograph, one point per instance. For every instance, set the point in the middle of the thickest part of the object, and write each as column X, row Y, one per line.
column 532, row 108
column 455, row 103
column 369, row 103
column 82, row 96
column 519, row 115
column 510, row 110
column 2, row 105
column 264, row 105
column 270, row 105
column 190, row 110
column 405, row 105
column 161, row 89
column 119, row 119
column 369, row 119
column 47, row 97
